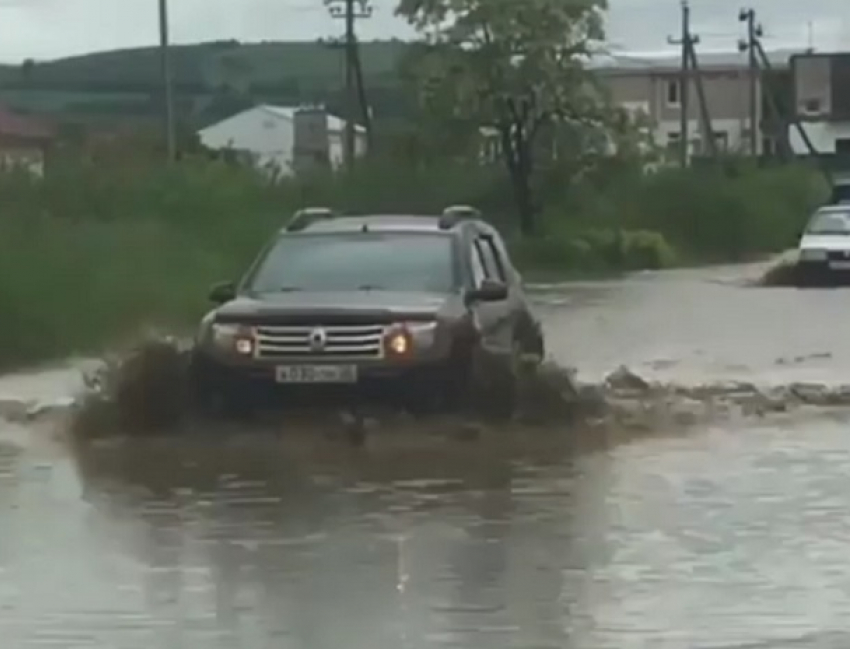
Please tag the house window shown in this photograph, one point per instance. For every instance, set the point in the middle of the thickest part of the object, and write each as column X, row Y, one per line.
column 721, row 140
column 673, row 95
column 812, row 106
column 672, row 143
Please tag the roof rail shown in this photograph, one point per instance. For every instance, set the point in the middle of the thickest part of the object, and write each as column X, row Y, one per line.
column 305, row 217
column 454, row 214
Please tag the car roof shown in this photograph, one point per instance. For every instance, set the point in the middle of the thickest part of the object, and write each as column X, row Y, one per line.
column 378, row 223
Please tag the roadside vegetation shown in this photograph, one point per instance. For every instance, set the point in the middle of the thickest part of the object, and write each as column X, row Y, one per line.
column 109, row 244
column 92, row 254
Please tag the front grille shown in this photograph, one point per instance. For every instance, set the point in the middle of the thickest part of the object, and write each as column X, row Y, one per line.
column 340, row 341
column 838, row 255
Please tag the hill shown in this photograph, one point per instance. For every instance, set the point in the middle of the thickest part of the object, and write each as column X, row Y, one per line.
column 128, row 81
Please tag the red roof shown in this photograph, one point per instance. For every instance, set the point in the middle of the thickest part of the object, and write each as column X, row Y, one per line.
column 23, row 126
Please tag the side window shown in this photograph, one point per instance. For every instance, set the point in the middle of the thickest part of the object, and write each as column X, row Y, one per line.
column 493, row 264
column 478, row 270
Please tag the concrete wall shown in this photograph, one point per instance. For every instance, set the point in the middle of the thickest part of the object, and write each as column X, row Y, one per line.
column 727, row 94
column 825, row 137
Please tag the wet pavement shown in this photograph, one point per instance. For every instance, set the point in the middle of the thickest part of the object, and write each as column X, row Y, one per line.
column 730, row 535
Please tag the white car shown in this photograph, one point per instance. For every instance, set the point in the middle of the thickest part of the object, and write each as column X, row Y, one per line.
column 825, row 244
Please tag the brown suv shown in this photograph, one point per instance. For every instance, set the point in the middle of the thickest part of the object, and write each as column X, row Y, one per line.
column 426, row 309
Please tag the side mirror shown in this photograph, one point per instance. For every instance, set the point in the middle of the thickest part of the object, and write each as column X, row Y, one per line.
column 223, row 292
column 489, row 291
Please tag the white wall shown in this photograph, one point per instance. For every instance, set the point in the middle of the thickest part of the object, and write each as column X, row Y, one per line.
column 268, row 137
column 822, row 134
column 336, row 146
column 734, row 128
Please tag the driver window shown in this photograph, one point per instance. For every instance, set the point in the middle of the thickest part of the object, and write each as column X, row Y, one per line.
column 478, row 270
column 492, row 267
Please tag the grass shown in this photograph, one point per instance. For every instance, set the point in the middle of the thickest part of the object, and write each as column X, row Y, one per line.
column 95, row 253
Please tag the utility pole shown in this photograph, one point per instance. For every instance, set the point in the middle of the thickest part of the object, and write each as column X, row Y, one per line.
column 705, row 117
column 754, row 32
column 168, row 98
column 350, row 11
column 686, row 41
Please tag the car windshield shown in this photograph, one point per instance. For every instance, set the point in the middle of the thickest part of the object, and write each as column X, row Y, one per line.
column 831, row 222
column 357, row 261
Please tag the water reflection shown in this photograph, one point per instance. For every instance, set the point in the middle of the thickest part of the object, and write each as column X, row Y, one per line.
column 727, row 538
column 255, row 542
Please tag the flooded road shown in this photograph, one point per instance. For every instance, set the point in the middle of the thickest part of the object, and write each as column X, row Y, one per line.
column 726, row 536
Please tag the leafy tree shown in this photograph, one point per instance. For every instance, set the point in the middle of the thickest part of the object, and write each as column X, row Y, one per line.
column 516, row 66
column 28, row 70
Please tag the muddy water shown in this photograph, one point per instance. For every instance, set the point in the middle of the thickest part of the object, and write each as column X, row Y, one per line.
column 726, row 536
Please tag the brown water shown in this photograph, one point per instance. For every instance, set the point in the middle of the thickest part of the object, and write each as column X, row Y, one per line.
column 726, row 536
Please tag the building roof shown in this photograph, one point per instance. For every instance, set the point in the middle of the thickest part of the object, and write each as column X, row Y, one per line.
column 335, row 124
column 668, row 61
column 23, row 126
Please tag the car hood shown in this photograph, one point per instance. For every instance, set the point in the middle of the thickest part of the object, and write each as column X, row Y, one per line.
column 330, row 307
column 825, row 242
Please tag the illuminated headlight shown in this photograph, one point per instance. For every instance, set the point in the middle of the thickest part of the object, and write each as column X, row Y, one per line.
column 405, row 339
column 238, row 339
column 812, row 254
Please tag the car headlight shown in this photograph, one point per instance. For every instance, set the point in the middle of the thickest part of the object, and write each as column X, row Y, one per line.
column 812, row 254
column 406, row 338
column 233, row 338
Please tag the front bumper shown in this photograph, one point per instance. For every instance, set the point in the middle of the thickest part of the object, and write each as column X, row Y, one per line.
column 377, row 380
column 824, row 271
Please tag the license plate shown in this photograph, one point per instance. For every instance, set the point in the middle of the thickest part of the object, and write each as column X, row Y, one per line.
column 839, row 265
column 317, row 374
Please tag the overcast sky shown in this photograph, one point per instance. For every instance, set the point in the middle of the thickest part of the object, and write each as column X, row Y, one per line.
column 50, row 28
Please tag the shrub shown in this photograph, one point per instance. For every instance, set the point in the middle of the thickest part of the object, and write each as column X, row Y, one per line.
column 96, row 251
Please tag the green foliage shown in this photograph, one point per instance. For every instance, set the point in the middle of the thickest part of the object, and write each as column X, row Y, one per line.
column 95, row 252
column 515, row 67
column 595, row 251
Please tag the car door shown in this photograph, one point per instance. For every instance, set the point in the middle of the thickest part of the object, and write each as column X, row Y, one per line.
column 496, row 320
column 526, row 327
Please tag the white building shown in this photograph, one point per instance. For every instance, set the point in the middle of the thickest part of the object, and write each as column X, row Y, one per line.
column 822, row 102
column 278, row 138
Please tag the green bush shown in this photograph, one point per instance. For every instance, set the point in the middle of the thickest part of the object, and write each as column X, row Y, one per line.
column 96, row 251
column 595, row 251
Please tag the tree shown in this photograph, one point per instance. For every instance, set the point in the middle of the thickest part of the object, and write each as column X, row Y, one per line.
column 27, row 70
column 516, row 66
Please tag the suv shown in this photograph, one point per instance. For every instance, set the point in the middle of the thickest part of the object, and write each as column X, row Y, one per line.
column 427, row 309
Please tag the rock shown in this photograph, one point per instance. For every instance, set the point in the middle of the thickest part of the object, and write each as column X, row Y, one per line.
column 624, row 379
column 468, row 432
column 14, row 410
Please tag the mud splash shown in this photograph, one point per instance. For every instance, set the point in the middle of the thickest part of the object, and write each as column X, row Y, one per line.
column 785, row 272
column 146, row 392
